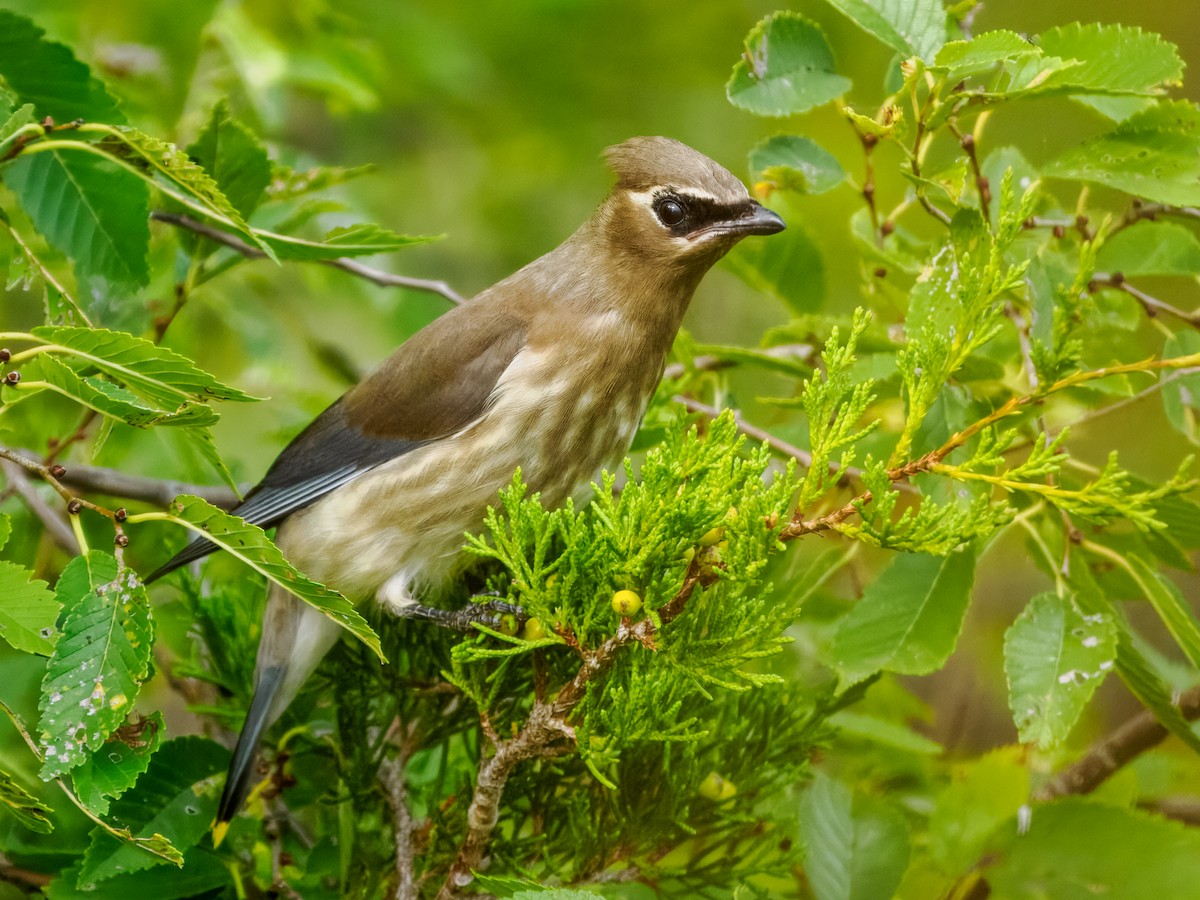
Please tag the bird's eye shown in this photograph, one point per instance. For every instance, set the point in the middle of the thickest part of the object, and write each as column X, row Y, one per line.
column 670, row 211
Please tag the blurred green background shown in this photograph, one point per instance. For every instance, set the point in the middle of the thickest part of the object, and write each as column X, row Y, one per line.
column 484, row 122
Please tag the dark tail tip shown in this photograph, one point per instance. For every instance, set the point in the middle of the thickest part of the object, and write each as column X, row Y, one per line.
column 241, row 768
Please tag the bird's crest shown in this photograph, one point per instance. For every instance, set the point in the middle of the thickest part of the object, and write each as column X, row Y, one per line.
column 641, row 163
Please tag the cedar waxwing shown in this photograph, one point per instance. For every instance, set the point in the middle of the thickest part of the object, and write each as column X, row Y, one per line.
column 549, row 370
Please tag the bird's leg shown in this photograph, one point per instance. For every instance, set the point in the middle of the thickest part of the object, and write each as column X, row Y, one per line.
column 489, row 612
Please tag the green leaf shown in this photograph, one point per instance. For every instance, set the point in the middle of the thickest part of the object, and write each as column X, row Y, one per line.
column 250, row 544
column 1154, row 154
column 47, row 74
column 854, row 849
column 176, row 799
column 89, row 209
column 1110, row 59
column 357, row 240
column 885, row 733
column 1075, row 849
column 982, row 796
column 115, row 767
column 5, row 529
column 787, row 68
column 789, row 162
column 911, row 27
column 234, row 157
column 155, row 372
column 908, row 619
column 98, row 664
column 962, row 59
column 1181, row 390
column 30, row 811
column 789, row 266
column 1172, row 609
column 203, row 872
column 1151, row 248
column 28, row 611
column 25, row 115
column 1055, row 658
column 111, row 400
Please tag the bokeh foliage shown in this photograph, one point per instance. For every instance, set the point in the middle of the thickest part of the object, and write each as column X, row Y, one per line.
column 1001, row 302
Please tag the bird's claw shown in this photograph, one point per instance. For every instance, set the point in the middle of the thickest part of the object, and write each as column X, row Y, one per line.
column 490, row 612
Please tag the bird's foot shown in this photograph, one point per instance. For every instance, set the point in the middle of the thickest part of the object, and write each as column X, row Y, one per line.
column 495, row 614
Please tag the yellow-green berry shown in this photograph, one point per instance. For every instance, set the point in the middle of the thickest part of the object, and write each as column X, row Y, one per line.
column 626, row 603
column 533, row 630
column 716, row 788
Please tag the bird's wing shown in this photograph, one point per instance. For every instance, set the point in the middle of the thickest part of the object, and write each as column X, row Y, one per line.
column 437, row 383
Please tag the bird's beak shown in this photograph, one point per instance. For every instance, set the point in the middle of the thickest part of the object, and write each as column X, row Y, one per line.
column 759, row 220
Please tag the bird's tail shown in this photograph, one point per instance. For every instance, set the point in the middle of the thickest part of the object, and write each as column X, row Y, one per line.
column 241, row 768
column 295, row 638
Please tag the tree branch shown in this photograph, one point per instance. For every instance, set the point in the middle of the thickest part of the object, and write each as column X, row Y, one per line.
column 1108, row 756
column 375, row 276
column 56, row 526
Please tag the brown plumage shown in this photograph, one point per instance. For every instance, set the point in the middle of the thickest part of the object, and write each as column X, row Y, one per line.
column 549, row 370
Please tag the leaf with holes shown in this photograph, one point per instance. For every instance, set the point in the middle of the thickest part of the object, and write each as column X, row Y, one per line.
column 787, row 67
column 28, row 611
column 92, row 211
column 115, row 402
column 176, row 799
column 98, row 664
column 1154, row 154
column 1055, row 658
column 250, row 544
column 115, row 767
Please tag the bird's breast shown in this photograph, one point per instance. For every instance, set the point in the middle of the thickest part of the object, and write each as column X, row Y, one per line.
column 558, row 414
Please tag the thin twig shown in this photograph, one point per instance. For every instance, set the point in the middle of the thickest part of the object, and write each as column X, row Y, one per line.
column 1109, row 755
column 56, row 526
column 158, row 491
column 395, row 785
column 375, row 276
column 706, row 363
column 1150, row 303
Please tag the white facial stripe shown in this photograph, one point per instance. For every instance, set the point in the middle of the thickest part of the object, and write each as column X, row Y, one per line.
column 646, row 198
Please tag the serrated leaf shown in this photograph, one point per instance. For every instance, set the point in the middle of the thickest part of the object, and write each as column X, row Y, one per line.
column 911, row 27
column 356, row 240
column 175, row 799
column 111, row 400
column 854, row 849
column 1154, row 154
column 787, row 68
column 154, row 372
column 92, row 211
column 1151, row 248
column 250, row 544
column 98, row 664
column 288, row 183
column 28, row 611
column 962, row 59
column 1055, row 657
column 1181, row 390
column 1172, row 609
column 1132, row 666
column 1112, row 59
column 47, row 74
column 908, row 619
column 234, row 157
column 790, row 267
column 1078, row 849
column 115, row 767
column 29, row 811
column 790, row 162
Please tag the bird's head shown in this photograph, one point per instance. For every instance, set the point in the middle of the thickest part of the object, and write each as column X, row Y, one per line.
column 676, row 207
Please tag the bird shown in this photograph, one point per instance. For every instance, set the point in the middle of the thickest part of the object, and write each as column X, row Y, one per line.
column 549, row 371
